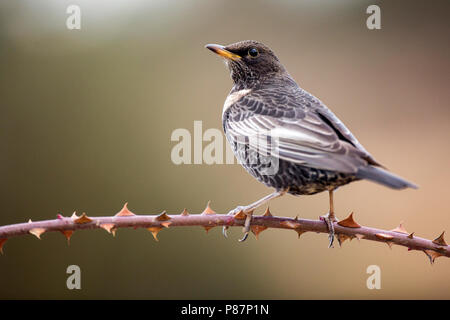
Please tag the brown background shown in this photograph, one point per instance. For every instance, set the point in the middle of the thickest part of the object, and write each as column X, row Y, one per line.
column 85, row 124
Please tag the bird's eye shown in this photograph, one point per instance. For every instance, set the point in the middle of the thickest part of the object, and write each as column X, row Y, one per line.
column 253, row 52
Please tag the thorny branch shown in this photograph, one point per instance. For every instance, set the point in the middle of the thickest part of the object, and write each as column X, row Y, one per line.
column 344, row 229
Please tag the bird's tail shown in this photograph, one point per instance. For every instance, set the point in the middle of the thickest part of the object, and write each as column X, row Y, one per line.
column 384, row 177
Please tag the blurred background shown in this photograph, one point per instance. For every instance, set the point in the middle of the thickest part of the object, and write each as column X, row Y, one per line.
column 86, row 118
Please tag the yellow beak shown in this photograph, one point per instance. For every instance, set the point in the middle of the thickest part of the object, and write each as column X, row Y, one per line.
column 221, row 51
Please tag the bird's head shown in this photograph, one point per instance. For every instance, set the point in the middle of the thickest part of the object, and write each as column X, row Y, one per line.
column 249, row 61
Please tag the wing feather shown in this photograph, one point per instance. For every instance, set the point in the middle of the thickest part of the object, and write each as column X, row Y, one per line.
column 305, row 138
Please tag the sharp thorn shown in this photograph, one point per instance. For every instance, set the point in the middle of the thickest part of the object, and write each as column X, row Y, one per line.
column 349, row 222
column 125, row 211
column 440, row 240
column 208, row 209
column 267, row 213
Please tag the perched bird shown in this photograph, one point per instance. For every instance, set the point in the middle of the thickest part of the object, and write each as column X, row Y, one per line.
column 287, row 138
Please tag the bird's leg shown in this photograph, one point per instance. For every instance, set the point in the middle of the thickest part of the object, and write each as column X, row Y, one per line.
column 248, row 211
column 329, row 219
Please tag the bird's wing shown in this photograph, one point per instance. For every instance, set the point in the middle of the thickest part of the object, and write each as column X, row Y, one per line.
column 343, row 132
column 292, row 131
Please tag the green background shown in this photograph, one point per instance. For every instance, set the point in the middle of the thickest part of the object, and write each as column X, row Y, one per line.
column 86, row 118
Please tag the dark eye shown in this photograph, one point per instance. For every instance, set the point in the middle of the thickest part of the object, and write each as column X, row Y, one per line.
column 253, row 52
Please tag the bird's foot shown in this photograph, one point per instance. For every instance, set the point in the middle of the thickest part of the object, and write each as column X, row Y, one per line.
column 329, row 219
column 248, row 211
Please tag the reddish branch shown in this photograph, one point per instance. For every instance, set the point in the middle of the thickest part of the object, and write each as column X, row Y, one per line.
column 345, row 229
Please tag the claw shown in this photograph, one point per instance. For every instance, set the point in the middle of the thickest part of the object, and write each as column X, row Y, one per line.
column 248, row 210
column 329, row 219
column 224, row 231
column 248, row 220
column 331, row 238
column 246, row 224
column 244, row 237
column 230, row 213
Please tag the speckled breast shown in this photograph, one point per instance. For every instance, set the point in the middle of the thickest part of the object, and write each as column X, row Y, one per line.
column 281, row 174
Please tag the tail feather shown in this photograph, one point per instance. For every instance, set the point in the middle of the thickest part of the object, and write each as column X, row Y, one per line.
column 384, row 177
